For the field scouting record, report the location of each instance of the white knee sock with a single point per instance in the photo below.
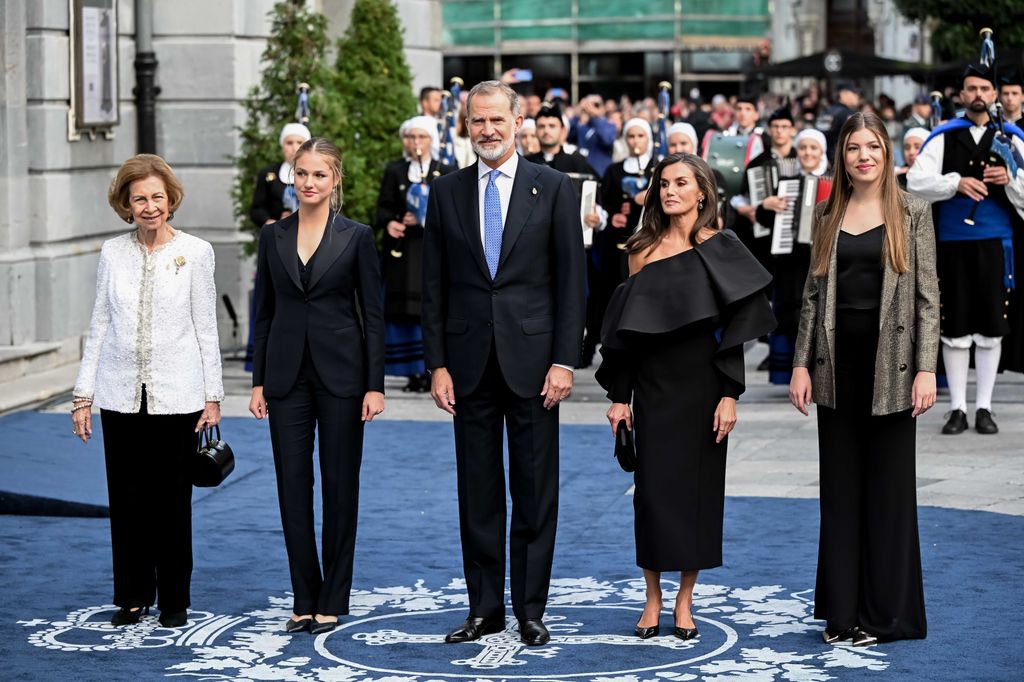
(958, 361)
(986, 366)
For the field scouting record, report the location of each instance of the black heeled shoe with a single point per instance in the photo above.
(832, 635)
(173, 620)
(319, 627)
(125, 616)
(300, 625)
(683, 633)
(861, 638)
(647, 633)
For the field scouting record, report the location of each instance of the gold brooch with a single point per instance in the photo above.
(271, 176)
(179, 263)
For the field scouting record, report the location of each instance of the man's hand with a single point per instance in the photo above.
(373, 404)
(396, 229)
(973, 188)
(557, 386)
(592, 220)
(442, 390)
(777, 204)
(619, 221)
(409, 219)
(749, 212)
(996, 175)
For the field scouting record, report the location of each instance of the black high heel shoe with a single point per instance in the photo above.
(319, 627)
(298, 625)
(832, 635)
(683, 633)
(173, 620)
(125, 616)
(647, 633)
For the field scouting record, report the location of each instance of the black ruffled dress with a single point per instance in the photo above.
(672, 342)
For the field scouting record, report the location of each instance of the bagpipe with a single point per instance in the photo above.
(289, 199)
(661, 123)
(447, 124)
(416, 197)
(1001, 150)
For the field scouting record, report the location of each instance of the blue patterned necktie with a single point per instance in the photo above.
(492, 223)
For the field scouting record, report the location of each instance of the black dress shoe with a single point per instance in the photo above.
(861, 638)
(832, 635)
(647, 633)
(319, 627)
(983, 422)
(475, 628)
(957, 423)
(126, 616)
(298, 625)
(173, 620)
(683, 633)
(533, 633)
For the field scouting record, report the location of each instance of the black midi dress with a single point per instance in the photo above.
(673, 342)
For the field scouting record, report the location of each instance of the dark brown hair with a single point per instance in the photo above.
(892, 197)
(140, 167)
(327, 149)
(656, 222)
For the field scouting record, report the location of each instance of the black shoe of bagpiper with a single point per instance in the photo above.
(957, 423)
(983, 422)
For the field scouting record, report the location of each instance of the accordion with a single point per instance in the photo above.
(794, 224)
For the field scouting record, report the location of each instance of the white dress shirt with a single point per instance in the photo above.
(504, 184)
(154, 323)
(926, 179)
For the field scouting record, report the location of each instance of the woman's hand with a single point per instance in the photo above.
(396, 230)
(257, 403)
(725, 418)
(800, 389)
(619, 221)
(81, 421)
(616, 413)
(409, 219)
(373, 404)
(923, 393)
(209, 417)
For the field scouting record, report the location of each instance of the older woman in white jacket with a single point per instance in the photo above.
(151, 363)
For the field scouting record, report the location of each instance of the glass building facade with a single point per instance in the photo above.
(608, 47)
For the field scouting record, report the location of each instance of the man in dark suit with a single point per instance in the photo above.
(503, 311)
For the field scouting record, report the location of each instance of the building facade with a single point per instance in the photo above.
(53, 208)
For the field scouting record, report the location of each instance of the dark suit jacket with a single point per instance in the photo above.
(340, 314)
(266, 196)
(534, 308)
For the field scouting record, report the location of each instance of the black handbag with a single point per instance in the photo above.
(214, 461)
(625, 451)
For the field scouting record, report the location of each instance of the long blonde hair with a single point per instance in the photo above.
(893, 200)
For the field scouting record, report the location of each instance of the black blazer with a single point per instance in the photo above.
(340, 315)
(533, 310)
(267, 196)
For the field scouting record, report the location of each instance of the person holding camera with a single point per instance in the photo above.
(593, 134)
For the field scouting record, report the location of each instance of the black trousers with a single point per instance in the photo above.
(309, 408)
(533, 485)
(869, 557)
(149, 486)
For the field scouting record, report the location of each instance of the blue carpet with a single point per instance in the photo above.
(754, 613)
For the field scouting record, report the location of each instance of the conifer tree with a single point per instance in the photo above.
(295, 52)
(376, 97)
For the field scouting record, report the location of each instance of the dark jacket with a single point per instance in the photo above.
(533, 311)
(339, 316)
(266, 196)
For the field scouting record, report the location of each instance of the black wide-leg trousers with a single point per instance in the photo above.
(533, 484)
(869, 557)
(149, 487)
(307, 409)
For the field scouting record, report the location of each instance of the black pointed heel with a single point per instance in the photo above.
(647, 633)
(683, 633)
(125, 616)
(299, 625)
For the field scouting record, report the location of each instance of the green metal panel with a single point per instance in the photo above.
(465, 11)
(537, 33)
(469, 36)
(625, 8)
(728, 7)
(663, 30)
(724, 28)
(529, 10)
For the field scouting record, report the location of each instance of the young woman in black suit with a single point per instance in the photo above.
(318, 366)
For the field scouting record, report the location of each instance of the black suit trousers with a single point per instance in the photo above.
(149, 486)
(308, 408)
(533, 484)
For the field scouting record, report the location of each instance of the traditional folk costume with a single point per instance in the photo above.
(274, 193)
(975, 249)
(405, 188)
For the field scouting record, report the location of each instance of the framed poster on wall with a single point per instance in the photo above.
(94, 87)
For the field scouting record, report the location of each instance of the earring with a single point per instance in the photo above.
(131, 219)
(700, 204)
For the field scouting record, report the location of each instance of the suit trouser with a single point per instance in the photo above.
(533, 485)
(294, 418)
(149, 485)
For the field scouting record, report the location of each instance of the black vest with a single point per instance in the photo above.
(961, 155)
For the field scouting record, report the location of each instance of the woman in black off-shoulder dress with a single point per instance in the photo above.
(672, 343)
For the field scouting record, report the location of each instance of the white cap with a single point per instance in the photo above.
(920, 133)
(294, 129)
(684, 128)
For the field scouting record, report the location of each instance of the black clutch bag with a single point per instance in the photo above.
(214, 461)
(625, 451)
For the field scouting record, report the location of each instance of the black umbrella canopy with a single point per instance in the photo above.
(842, 64)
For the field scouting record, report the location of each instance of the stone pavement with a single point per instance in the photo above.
(773, 451)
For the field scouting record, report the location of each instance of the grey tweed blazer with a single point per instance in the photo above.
(908, 340)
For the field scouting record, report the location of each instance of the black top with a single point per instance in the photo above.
(859, 269)
(306, 271)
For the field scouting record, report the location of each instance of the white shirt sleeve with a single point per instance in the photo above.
(925, 177)
(85, 385)
(204, 319)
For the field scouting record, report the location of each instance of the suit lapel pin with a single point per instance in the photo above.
(271, 176)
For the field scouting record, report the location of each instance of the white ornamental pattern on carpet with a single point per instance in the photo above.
(739, 631)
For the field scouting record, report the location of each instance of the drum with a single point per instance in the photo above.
(728, 155)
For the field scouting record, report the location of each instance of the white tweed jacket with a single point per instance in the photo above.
(154, 323)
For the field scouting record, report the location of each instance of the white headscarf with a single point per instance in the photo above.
(427, 124)
(286, 172)
(632, 164)
(685, 129)
(919, 133)
(816, 136)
